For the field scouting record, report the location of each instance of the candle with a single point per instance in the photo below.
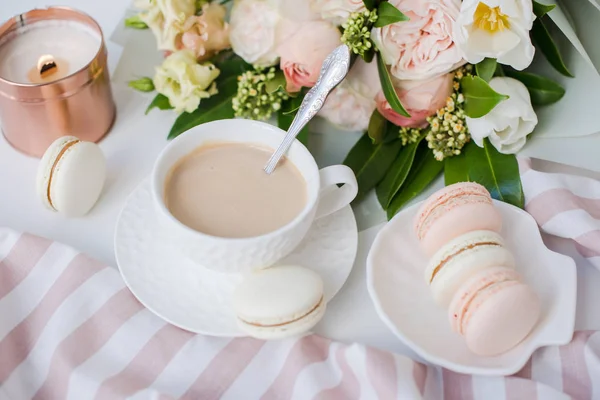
(62, 47)
(53, 79)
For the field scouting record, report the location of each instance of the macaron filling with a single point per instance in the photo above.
(478, 298)
(448, 258)
(448, 202)
(266, 325)
(62, 152)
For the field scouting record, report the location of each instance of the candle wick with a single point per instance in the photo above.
(46, 66)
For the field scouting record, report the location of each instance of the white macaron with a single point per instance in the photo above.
(461, 258)
(279, 302)
(71, 176)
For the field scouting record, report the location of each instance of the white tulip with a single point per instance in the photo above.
(509, 123)
(496, 29)
(166, 18)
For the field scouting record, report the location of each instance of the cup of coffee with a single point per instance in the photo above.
(224, 212)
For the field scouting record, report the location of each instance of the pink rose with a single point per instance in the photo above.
(303, 51)
(420, 98)
(350, 105)
(206, 34)
(424, 46)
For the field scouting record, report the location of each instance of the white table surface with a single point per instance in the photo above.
(134, 143)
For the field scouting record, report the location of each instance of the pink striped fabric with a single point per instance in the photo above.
(115, 349)
(565, 206)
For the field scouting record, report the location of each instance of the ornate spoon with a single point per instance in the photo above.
(334, 69)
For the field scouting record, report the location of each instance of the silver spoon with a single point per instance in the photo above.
(334, 70)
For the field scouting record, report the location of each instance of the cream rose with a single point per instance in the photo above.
(185, 82)
(337, 11)
(166, 19)
(350, 105)
(303, 52)
(296, 10)
(253, 31)
(423, 47)
(496, 29)
(208, 33)
(509, 123)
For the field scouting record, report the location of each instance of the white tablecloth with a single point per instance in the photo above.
(134, 143)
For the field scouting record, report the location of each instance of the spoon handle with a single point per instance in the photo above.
(334, 70)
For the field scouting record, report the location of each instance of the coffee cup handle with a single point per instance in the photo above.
(332, 198)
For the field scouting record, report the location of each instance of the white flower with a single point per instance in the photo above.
(337, 11)
(350, 105)
(509, 123)
(184, 81)
(166, 18)
(253, 31)
(496, 29)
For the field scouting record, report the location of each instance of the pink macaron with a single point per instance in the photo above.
(452, 211)
(494, 311)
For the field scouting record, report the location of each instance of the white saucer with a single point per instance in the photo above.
(402, 299)
(199, 299)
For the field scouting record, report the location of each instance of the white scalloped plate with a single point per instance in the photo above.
(402, 299)
(199, 299)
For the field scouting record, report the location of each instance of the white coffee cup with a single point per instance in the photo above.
(238, 255)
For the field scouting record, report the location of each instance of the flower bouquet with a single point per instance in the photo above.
(437, 86)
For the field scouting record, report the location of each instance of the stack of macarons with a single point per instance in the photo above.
(279, 302)
(471, 272)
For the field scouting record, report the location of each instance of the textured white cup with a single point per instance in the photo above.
(233, 255)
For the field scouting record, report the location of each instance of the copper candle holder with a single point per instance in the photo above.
(34, 114)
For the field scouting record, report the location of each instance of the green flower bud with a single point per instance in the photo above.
(357, 31)
(253, 97)
(135, 22)
(447, 137)
(144, 84)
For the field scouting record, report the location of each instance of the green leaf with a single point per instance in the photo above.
(216, 107)
(457, 168)
(370, 4)
(377, 127)
(371, 162)
(276, 83)
(135, 22)
(390, 185)
(388, 87)
(540, 9)
(486, 68)
(480, 98)
(499, 173)
(499, 70)
(542, 90)
(144, 84)
(231, 66)
(161, 102)
(388, 14)
(368, 55)
(544, 42)
(424, 170)
(286, 116)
